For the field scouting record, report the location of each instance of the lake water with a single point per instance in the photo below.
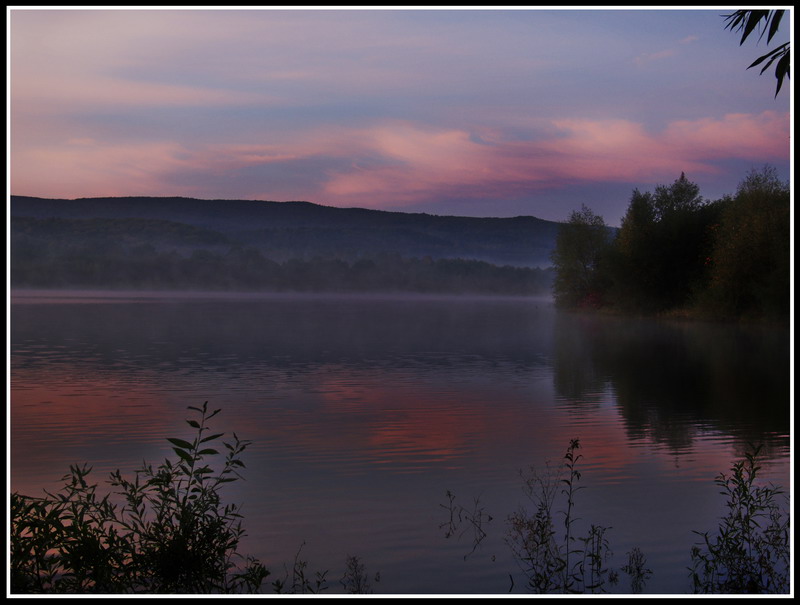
(365, 411)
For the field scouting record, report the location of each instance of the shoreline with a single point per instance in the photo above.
(57, 295)
(681, 315)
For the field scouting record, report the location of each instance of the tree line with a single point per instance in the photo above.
(104, 263)
(678, 253)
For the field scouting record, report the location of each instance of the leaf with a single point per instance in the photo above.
(776, 20)
(180, 443)
(752, 21)
(183, 454)
(211, 437)
(772, 55)
(193, 424)
(207, 452)
(781, 71)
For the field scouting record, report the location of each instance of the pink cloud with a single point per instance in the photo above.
(35, 95)
(734, 136)
(396, 163)
(419, 161)
(437, 163)
(85, 168)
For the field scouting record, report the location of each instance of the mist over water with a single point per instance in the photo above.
(365, 410)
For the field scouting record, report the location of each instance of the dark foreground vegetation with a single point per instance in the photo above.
(559, 553)
(167, 530)
(678, 253)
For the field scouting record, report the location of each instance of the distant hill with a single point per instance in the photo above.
(283, 230)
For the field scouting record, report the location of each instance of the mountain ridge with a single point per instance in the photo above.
(306, 229)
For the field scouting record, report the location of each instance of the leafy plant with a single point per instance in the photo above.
(747, 21)
(171, 533)
(568, 563)
(749, 552)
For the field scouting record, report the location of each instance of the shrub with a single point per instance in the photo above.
(554, 563)
(170, 534)
(750, 551)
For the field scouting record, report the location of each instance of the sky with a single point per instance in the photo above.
(469, 112)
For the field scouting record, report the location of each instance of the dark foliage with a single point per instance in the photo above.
(749, 552)
(749, 268)
(166, 530)
(581, 244)
(748, 21)
(553, 561)
(677, 252)
(659, 254)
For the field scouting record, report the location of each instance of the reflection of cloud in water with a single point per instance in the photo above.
(108, 422)
(400, 420)
(405, 424)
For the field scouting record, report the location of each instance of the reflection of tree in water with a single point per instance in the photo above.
(672, 380)
(577, 377)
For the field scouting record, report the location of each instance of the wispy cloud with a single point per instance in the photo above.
(397, 163)
(666, 53)
(434, 163)
(646, 58)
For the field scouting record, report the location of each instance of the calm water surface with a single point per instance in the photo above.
(364, 412)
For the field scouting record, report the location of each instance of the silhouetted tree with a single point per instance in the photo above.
(633, 267)
(750, 264)
(658, 258)
(676, 251)
(580, 245)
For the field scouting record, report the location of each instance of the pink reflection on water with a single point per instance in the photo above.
(371, 418)
(404, 423)
(104, 422)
